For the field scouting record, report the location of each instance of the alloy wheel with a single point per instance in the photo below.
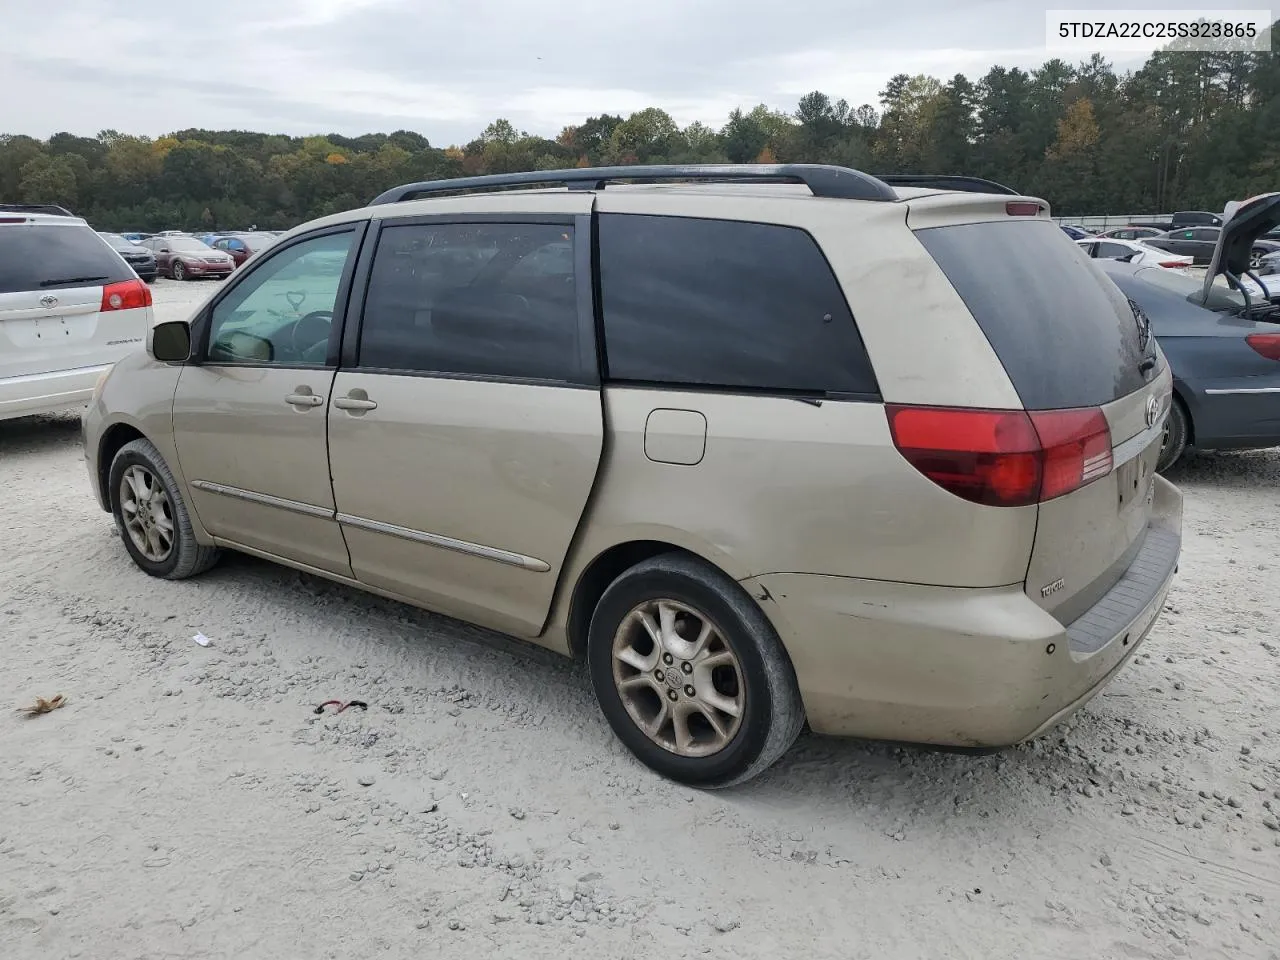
(147, 513)
(678, 678)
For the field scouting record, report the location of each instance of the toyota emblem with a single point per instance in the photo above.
(1153, 411)
(48, 300)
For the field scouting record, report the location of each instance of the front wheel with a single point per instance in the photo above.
(152, 517)
(691, 675)
(179, 270)
(1177, 434)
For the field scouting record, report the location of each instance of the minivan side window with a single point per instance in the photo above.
(723, 303)
(282, 312)
(474, 299)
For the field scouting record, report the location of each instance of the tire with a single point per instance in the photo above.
(757, 679)
(179, 270)
(166, 511)
(1255, 258)
(1177, 435)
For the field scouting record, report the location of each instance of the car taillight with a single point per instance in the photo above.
(1004, 458)
(1267, 344)
(1174, 263)
(1022, 208)
(125, 295)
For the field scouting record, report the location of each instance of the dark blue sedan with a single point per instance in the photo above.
(1224, 353)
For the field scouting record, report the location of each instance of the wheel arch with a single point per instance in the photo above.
(113, 438)
(1179, 397)
(603, 569)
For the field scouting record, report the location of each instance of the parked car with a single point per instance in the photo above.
(1195, 218)
(1223, 344)
(1076, 233)
(1131, 251)
(1130, 233)
(1268, 266)
(1200, 243)
(69, 308)
(142, 260)
(647, 429)
(1182, 220)
(241, 246)
(186, 258)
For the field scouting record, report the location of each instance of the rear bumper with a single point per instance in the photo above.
(1236, 413)
(955, 666)
(47, 392)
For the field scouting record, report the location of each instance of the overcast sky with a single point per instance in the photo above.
(446, 68)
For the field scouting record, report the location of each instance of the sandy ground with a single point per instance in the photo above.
(187, 801)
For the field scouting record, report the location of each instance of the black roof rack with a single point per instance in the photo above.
(966, 184)
(824, 180)
(36, 208)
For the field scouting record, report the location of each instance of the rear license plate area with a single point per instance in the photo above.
(1134, 483)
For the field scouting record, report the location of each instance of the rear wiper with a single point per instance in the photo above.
(54, 283)
(812, 401)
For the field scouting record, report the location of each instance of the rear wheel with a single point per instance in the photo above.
(179, 270)
(1177, 434)
(152, 517)
(690, 673)
(1255, 258)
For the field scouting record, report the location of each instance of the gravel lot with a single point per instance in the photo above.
(187, 801)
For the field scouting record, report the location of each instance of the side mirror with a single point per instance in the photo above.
(170, 342)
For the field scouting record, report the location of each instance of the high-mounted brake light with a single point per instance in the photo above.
(125, 295)
(1004, 458)
(1022, 208)
(1267, 344)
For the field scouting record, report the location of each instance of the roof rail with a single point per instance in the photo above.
(824, 180)
(966, 184)
(48, 208)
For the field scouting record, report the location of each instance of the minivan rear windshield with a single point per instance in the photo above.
(31, 256)
(1066, 335)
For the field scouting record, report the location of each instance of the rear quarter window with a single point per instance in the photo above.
(728, 304)
(1066, 335)
(37, 257)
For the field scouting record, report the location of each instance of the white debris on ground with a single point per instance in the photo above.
(188, 800)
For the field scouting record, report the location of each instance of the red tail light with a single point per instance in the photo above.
(1004, 458)
(125, 295)
(1022, 208)
(1267, 344)
(1174, 263)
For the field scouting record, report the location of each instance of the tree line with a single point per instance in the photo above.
(1185, 131)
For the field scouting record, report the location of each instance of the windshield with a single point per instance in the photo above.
(40, 256)
(1065, 335)
(188, 244)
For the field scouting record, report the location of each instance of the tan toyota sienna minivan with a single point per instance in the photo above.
(764, 444)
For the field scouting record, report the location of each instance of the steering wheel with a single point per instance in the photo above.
(318, 324)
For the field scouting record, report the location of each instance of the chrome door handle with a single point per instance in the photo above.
(303, 400)
(355, 403)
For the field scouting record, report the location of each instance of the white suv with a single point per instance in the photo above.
(70, 307)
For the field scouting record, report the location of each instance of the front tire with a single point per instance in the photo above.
(1177, 435)
(179, 270)
(691, 675)
(152, 517)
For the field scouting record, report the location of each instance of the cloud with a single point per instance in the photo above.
(446, 68)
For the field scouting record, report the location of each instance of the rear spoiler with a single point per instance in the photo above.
(931, 181)
(46, 208)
